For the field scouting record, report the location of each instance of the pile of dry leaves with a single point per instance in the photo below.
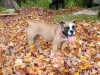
(18, 58)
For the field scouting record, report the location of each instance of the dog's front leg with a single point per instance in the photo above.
(55, 44)
(63, 45)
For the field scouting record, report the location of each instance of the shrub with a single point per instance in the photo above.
(71, 3)
(37, 3)
(45, 3)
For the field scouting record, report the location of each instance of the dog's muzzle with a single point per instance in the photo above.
(69, 34)
(72, 33)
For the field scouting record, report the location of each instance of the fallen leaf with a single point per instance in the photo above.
(98, 64)
(85, 66)
(77, 73)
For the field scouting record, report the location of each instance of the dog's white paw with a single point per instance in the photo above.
(54, 54)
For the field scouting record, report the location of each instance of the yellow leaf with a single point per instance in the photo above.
(19, 62)
(40, 72)
(1, 24)
(41, 57)
(14, 28)
(65, 70)
(93, 51)
(84, 58)
(75, 46)
(44, 47)
(30, 69)
(32, 48)
(52, 73)
(11, 43)
(60, 60)
(86, 24)
(77, 73)
(98, 64)
(41, 38)
(27, 58)
(9, 69)
(85, 66)
(2, 59)
(1, 71)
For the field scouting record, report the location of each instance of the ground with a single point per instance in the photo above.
(19, 58)
(85, 14)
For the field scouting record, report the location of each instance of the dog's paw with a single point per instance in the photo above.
(55, 54)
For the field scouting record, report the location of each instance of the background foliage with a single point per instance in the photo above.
(1, 7)
(71, 3)
(46, 3)
(37, 3)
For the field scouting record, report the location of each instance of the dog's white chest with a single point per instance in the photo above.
(64, 40)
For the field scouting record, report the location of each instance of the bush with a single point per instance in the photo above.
(37, 3)
(45, 3)
(71, 3)
(1, 7)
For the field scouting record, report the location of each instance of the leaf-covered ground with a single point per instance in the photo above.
(18, 58)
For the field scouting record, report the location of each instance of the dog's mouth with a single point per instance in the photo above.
(71, 38)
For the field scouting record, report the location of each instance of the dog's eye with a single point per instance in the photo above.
(73, 27)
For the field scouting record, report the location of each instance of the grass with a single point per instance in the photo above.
(36, 3)
(2, 9)
(78, 18)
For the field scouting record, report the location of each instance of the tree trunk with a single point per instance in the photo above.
(90, 4)
(10, 4)
(7, 4)
(99, 10)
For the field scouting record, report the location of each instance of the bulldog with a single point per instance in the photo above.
(56, 33)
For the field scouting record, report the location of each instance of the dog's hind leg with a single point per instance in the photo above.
(30, 37)
(36, 39)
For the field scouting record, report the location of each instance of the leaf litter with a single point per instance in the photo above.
(18, 58)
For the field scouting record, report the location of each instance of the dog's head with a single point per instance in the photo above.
(68, 29)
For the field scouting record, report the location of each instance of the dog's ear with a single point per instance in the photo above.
(62, 23)
(74, 21)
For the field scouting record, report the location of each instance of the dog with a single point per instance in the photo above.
(56, 33)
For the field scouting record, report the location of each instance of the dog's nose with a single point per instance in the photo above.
(72, 31)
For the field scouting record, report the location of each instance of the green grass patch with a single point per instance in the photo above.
(77, 18)
(72, 3)
(36, 3)
(2, 9)
(46, 3)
